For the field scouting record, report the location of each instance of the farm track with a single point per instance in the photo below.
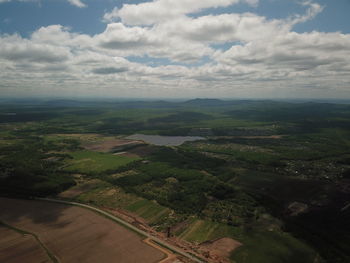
(169, 256)
(128, 226)
(19, 245)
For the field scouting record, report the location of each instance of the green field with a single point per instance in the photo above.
(200, 230)
(88, 162)
(240, 152)
(258, 246)
(149, 210)
(106, 195)
(273, 247)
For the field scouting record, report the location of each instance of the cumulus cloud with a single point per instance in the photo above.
(58, 35)
(163, 10)
(15, 48)
(118, 36)
(224, 28)
(175, 54)
(124, 40)
(111, 16)
(291, 52)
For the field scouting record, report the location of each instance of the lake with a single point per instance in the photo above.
(164, 140)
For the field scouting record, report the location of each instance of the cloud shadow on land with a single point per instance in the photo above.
(13, 211)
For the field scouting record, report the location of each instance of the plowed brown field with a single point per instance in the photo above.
(15, 247)
(74, 234)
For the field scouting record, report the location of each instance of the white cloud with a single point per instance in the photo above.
(110, 16)
(225, 54)
(163, 10)
(58, 35)
(313, 10)
(292, 53)
(122, 40)
(14, 48)
(117, 36)
(77, 3)
(224, 28)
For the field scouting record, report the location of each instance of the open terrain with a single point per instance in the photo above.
(74, 234)
(259, 182)
(17, 247)
(89, 162)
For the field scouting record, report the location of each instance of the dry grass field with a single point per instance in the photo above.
(80, 188)
(75, 234)
(109, 145)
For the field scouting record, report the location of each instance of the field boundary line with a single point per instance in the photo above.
(52, 256)
(168, 254)
(127, 225)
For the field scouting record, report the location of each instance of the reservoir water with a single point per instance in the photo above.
(164, 140)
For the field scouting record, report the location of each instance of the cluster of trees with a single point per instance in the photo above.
(182, 180)
(26, 170)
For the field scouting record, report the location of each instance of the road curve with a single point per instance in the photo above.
(128, 225)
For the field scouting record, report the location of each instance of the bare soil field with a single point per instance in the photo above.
(170, 257)
(143, 150)
(127, 154)
(109, 145)
(251, 137)
(79, 189)
(221, 247)
(74, 234)
(18, 248)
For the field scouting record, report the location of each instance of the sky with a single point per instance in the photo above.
(175, 48)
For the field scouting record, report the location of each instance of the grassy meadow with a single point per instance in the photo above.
(86, 162)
